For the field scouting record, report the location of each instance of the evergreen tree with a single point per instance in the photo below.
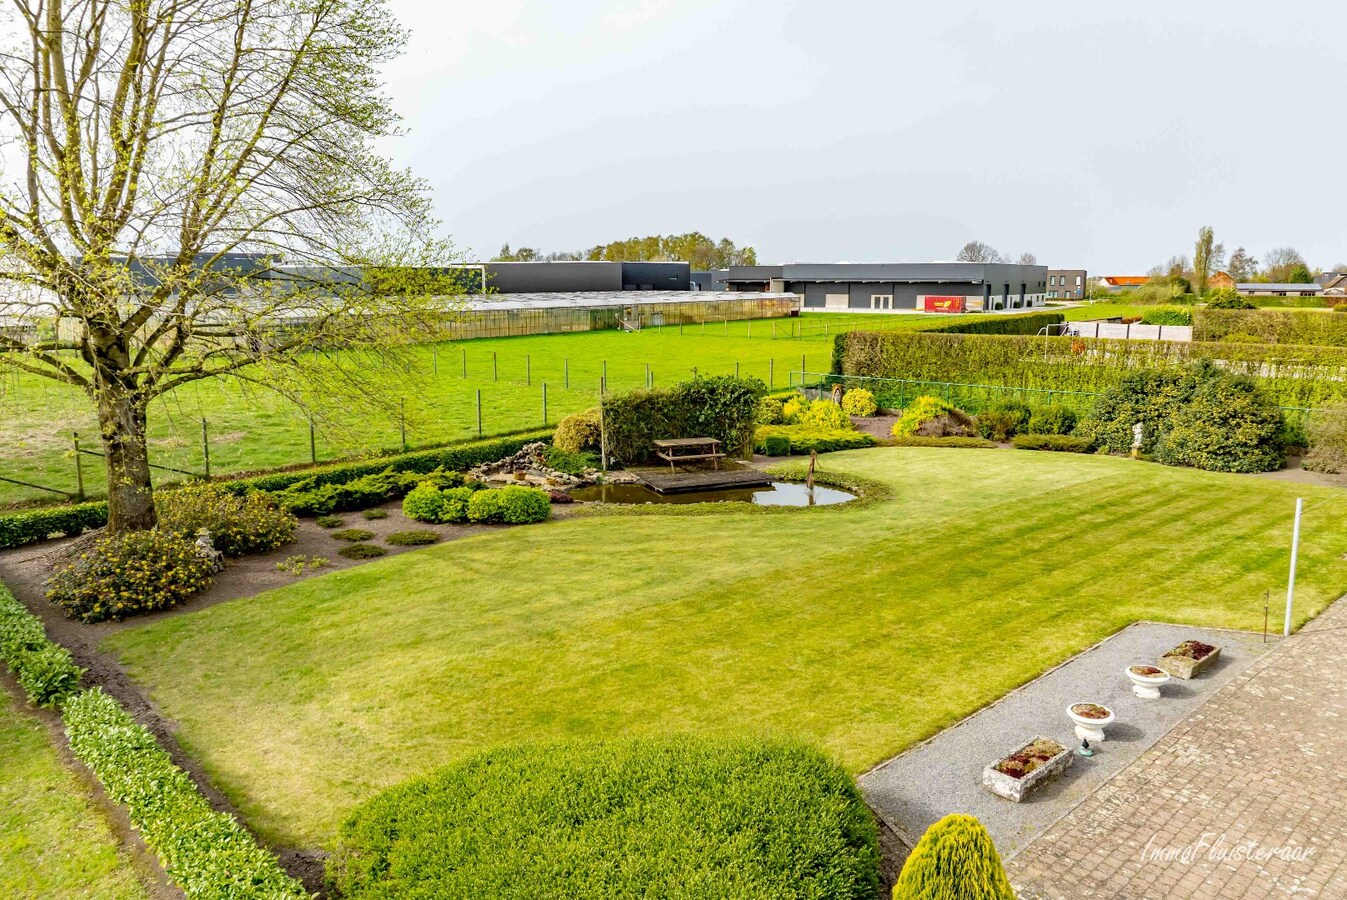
(954, 860)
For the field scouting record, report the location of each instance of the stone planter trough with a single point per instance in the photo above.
(1040, 759)
(1188, 659)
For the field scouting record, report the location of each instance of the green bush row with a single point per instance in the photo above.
(31, 526)
(1291, 375)
(1063, 443)
(1270, 326)
(45, 670)
(668, 817)
(721, 407)
(804, 438)
(1012, 323)
(206, 853)
(916, 440)
(510, 505)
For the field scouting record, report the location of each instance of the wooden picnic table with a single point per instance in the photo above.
(676, 450)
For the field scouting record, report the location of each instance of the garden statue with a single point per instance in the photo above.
(205, 548)
(1136, 440)
(838, 390)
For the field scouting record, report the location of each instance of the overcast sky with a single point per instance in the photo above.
(1092, 134)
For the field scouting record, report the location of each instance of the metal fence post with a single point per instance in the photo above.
(544, 402)
(465, 363)
(435, 360)
(205, 445)
(495, 372)
(605, 372)
(803, 368)
(402, 421)
(647, 374)
(79, 468)
(736, 370)
(771, 373)
(566, 372)
(313, 444)
(479, 412)
(528, 369)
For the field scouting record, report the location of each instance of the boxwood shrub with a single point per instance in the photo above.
(1063, 443)
(125, 574)
(513, 505)
(803, 439)
(916, 440)
(674, 817)
(30, 526)
(206, 853)
(45, 670)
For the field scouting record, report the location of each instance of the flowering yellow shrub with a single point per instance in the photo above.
(859, 402)
(126, 574)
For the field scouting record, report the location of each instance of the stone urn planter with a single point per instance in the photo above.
(1090, 720)
(1188, 659)
(1015, 775)
(1146, 681)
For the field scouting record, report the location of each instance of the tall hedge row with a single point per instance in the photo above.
(1271, 326)
(45, 670)
(31, 526)
(1291, 375)
(1013, 323)
(721, 407)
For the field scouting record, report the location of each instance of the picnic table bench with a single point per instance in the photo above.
(676, 450)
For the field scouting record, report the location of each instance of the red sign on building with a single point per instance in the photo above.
(945, 304)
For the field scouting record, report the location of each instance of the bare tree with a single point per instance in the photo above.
(166, 158)
(1027, 259)
(978, 252)
(1280, 263)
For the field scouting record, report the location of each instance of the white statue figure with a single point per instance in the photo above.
(1136, 439)
(205, 548)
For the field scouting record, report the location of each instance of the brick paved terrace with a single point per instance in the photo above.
(1247, 797)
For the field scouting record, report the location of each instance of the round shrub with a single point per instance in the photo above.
(933, 417)
(362, 551)
(329, 521)
(859, 402)
(1002, 421)
(238, 525)
(579, 433)
(776, 445)
(412, 538)
(1167, 315)
(125, 574)
(424, 503)
(1149, 397)
(375, 513)
(513, 505)
(1052, 419)
(1228, 426)
(792, 409)
(1228, 298)
(954, 858)
(681, 817)
(824, 414)
(771, 411)
(353, 535)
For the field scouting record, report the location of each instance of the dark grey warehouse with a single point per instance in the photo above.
(883, 287)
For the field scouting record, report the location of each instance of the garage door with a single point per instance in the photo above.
(836, 301)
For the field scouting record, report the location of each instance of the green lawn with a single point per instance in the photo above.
(862, 629)
(253, 428)
(53, 843)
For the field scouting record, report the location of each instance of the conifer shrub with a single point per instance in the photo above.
(1002, 421)
(932, 417)
(579, 433)
(1227, 426)
(824, 414)
(859, 402)
(513, 505)
(771, 411)
(668, 817)
(954, 860)
(1051, 419)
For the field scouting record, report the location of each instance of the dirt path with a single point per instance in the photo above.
(24, 570)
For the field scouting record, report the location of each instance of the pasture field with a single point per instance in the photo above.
(861, 629)
(53, 843)
(252, 427)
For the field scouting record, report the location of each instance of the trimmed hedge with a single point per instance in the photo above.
(18, 529)
(30, 526)
(804, 439)
(1291, 375)
(1013, 323)
(1271, 326)
(721, 407)
(1062, 443)
(46, 671)
(208, 854)
(916, 440)
(671, 817)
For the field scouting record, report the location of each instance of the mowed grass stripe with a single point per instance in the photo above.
(860, 629)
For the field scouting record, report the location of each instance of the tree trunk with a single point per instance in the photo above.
(130, 493)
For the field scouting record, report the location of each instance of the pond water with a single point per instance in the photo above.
(778, 493)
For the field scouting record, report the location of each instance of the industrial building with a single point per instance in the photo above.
(574, 276)
(1067, 284)
(884, 287)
